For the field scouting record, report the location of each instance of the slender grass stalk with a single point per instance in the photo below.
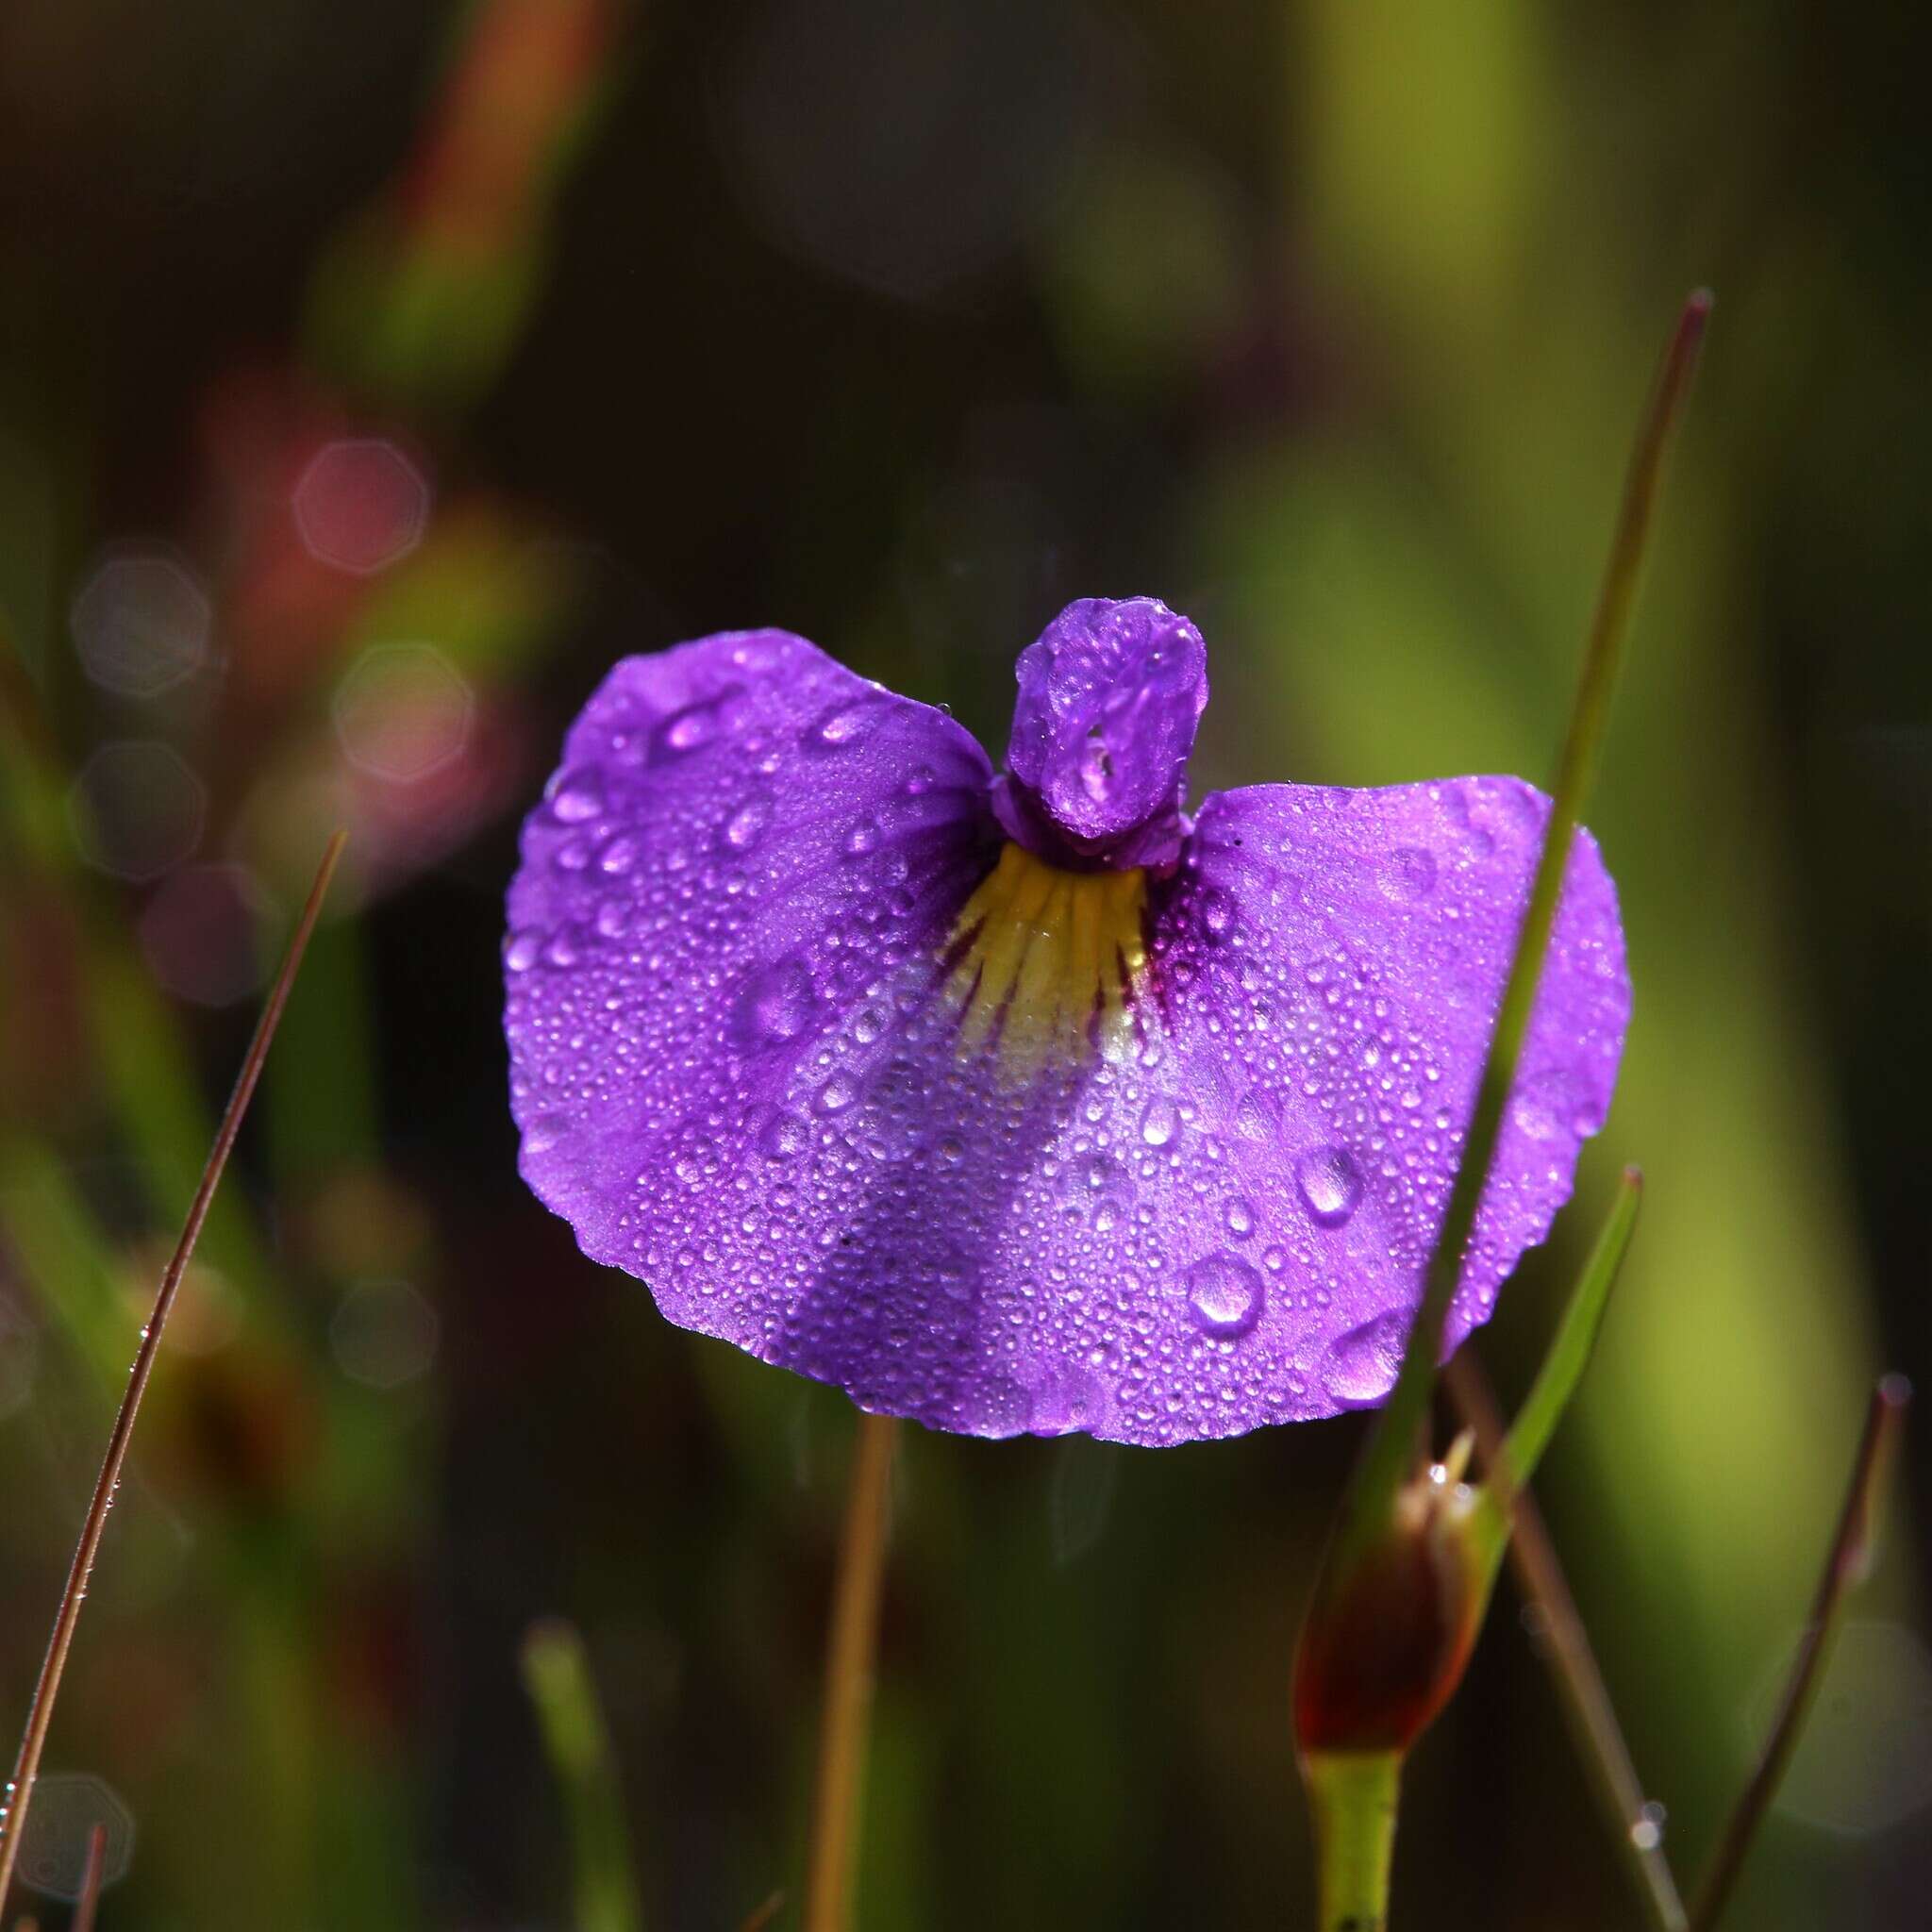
(20, 1788)
(1511, 1463)
(558, 1676)
(1390, 1449)
(763, 1914)
(1843, 1566)
(94, 1871)
(851, 1652)
(1390, 1459)
(1572, 1663)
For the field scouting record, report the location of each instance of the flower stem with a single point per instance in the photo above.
(1390, 1449)
(39, 1717)
(1843, 1566)
(1572, 1663)
(1352, 1799)
(850, 1654)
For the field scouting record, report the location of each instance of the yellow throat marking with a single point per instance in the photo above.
(1046, 955)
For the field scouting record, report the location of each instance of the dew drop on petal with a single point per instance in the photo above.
(775, 1003)
(1224, 1294)
(844, 726)
(1363, 1363)
(838, 1093)
(1409, 874)
(784, 1137)
(1330, 1185)
(1552, 1105)
(580, 795)
(742, 829)
(685, 732)
(1160, 1123)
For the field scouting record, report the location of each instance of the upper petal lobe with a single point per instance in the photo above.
(742, 839)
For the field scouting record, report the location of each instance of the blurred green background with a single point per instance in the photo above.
(372, 374)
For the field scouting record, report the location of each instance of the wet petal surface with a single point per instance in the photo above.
(743, 841)
(774, 1051)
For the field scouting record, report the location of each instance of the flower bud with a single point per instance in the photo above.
(1391, 1629)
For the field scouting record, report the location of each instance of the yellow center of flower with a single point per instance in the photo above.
(1047, 960)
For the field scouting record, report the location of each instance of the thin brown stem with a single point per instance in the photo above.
(1572, 1663)
(39, 1715)
(763, 1914)
(90, 1878)
(851, 1651)
(1843, 1566)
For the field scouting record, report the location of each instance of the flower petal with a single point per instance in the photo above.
(1330, 963)
(744, 839)
(751, 1064)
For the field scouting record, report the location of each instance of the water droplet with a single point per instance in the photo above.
(847, 724)
(579, 795)
(1160, 1123)
(864, 836)
(685, 731)
(523, 950)
(619, 856)
(1224, 1294)
(544, 1132)
(1330, 1185)
(1240, 1216)
(1067, 1398)
(1409, 874)
(784, 1137)
(760, 654)
(777, 1002)
(1363, 1364)
(1552, 1105)
(742, 829)
(838, 1093)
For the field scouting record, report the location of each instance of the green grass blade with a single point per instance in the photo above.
(1392, 1447)
(558, 1676)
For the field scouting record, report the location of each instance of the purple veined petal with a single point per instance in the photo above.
(1219, 1217)
(790, 1046)
(743, 843)
(1328, 964)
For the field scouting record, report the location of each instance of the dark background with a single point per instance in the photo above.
(371, 376)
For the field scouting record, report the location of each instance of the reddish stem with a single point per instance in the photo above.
(39, 1715)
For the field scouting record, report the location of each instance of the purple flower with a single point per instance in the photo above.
(1029, 1103)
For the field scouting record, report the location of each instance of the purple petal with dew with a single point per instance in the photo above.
(741, 1073)
(1328, 966)
(745, 842)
